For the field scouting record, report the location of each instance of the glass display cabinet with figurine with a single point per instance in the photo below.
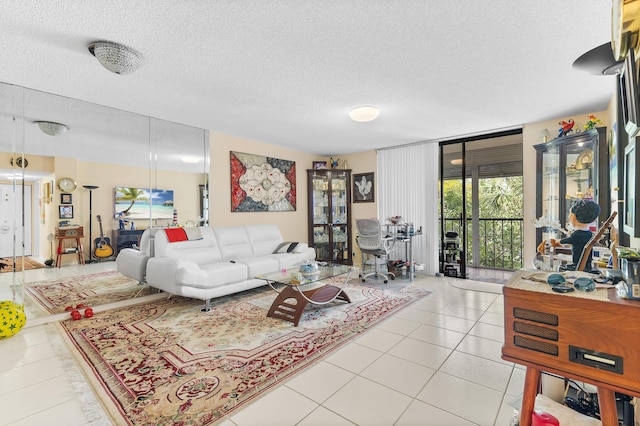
(330, 214)
(567, 168)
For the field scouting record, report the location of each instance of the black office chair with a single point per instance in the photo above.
(372, 243)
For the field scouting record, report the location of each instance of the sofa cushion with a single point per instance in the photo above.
(212, 275)
(286, 260)
(200, 251)
(263, 238)
(233, 242)
(259, 265)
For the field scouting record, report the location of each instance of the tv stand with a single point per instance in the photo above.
(125, 238)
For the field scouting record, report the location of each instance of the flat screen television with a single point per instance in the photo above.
(629, 95)
(142, 203)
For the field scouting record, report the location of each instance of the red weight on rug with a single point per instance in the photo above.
(53, 296)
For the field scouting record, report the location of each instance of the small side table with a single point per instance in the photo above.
(62, 234)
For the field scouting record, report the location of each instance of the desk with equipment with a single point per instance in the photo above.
(592, 337)
(405, 233)
(69, 233)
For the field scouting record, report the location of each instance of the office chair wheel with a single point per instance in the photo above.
(385, 281)
(393, 277)
(363, 280)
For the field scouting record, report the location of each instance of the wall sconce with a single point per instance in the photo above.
(544, 134)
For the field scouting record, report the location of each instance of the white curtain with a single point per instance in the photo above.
(408, 187)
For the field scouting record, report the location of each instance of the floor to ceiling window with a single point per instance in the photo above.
(480, 191)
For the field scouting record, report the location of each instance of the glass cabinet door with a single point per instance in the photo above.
(568, 169)
(329, 214)
(581, 176)
(338, 198)
(551, 184)
(339, 204)
(320, 184)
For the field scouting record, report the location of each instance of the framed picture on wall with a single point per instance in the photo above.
(363, 188)
(65, 199)
(66, 212)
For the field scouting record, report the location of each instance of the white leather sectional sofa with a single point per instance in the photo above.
(211, 261)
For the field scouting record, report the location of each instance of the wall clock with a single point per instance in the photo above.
(67, 184)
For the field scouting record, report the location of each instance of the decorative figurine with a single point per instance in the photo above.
(581, 214)
(333, 163)
(566, 127)
(592, 123)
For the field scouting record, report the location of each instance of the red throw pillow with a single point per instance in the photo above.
(176, 234)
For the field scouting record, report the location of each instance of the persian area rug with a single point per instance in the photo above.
(19, 265)
(102, 288)
(166, 362)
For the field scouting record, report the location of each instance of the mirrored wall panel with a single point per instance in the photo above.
(71, 164)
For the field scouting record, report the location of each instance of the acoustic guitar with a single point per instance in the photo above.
(103, 244)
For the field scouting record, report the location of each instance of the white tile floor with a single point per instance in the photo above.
(437, 362)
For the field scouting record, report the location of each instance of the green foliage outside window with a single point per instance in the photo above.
(499, 198)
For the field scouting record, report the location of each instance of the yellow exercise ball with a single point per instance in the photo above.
(12, 318)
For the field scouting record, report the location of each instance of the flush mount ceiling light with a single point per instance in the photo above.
(363, 114)
(456, 162)
(51, 128)
(116, 57)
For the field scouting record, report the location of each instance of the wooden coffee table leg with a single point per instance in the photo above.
(283, 309)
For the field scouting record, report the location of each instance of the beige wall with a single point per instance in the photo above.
(293, 225)
(106, 177)
(531, 137)
(362, 162)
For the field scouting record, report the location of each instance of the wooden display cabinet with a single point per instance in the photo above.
(330, 214)
(567, 168)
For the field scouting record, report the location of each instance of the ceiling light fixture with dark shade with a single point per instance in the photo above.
(116, 57)
(52, 128)
(599, 61)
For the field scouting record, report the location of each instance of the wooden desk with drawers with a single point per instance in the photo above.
(591, 337)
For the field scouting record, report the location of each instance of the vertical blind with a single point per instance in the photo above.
(408, 187)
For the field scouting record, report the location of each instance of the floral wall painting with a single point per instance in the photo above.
(262, 184)
(363, 188)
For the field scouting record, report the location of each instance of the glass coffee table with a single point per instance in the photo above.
(299, 290)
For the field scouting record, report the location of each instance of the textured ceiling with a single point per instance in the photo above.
(286, 72)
